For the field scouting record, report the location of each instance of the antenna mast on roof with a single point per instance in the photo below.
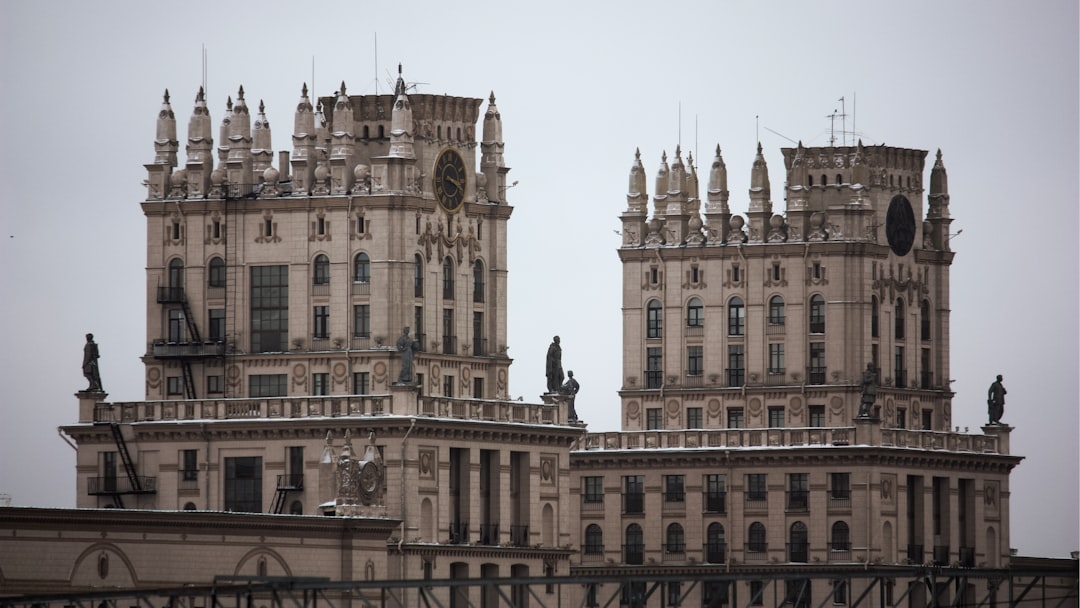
(376, 63)
(204, 68)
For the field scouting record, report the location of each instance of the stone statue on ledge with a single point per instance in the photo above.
(995, 401)
(407, 347)
(570, 388)
(90, 365)
(554, 366)
(869, 391)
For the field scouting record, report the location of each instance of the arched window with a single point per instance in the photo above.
(899, 318)
(216, 274)
(654, 319)
(448, 278)
(840, 540)
(296, 508)
(634, 548)
(418, 277)
(478, 281)
(594, 540)
(798, 545)
(809, 180)
(817, 314)
(715, 547)
(755, 540)
(362, 268)
(695, 313)
(924, 320)
(839, 179)
(736, 317)
(676, 539)
(321, 274)
(776, 310)
(189, 506)
(824, 180)
(875, 315)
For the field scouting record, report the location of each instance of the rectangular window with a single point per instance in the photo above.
(594, 489)
(736, 274)
(269, 309)
(267, 385)
(448, 386)
(798, 492)
(674, 488)
(694, 361)
(815, 374)
(448, 336)
(898, 367)
(901, 418)
(361, 383)
(927, 419)
(674, 594)
(817, 270)
(243, 484)
(817, 415)
(776, 271)
(735, 418)
(776, 359)
(217, 324)
(756, 488)
(479, 343)
(654, 326)
(321, 329)
(736, 318)
(320, 384)
(176, 325)
(694, 418)
(736, 365)
(715, 493)
(361, 320)
(927, 379)
(840, 486)
(654, 370)
(189, 465)
(654, 418)
(654, 275)
(839, 592)
(634, 494)
(757, 593)
(217, 235)
(295, 463)
(418, 327)
(215, 385)
(776, 417)
(174, 385)
(478, 388)
(268, 228)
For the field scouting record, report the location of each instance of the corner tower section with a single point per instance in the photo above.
(770, 320)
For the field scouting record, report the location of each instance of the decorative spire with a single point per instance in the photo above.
(662, 176)
(262, 149)
(637, 176)
(939, 180)
(759, 174)
(401, 122)
(165, 144)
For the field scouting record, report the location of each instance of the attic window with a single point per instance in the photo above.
(736, 275)
(654, 275)
(268, 227)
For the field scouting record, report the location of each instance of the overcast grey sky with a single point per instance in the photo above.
(993, 84)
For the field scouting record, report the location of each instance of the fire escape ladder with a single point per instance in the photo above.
(125, 457)
(279, 501)
(189, 379)
(193, 329)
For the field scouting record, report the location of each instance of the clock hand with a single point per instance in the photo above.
(456, 182)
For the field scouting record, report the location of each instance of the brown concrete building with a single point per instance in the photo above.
(292, 428)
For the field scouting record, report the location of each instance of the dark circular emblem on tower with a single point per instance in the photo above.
(900, 225)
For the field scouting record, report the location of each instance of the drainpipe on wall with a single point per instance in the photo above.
(401, 537)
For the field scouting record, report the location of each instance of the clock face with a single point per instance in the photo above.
(449, 180)
(900, 225)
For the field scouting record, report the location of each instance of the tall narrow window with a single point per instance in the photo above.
(449, 337)
(320, 384)
(448, 279)
(924, 320)
(176, 325)
(217, 324)
(479, 342)
(676, 539)
(634, 549)
(269, 308)
(176, 279)
(216, 274)
(815, 373)
(321, 329)
(776, 310)
(756, 539)
(776, 360)
(478, 281)
(695, 313)
(362, 268)
(900, 318)
(694, 361)
(799, 543)
(736, 370)
(418, 276)
(898, 367)
(418, 327)
(817, 314)
(715, 547)
(654, 319)
(654, 367)
(321, 267)
(926, 381)
(634, 494)
(875, 315)
(243, 484)
(361, 383)
(736, 317)
(362, 320)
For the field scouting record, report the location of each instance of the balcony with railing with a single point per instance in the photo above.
(187, 479)
(776, 377)
(449, 345)
(361, 288)
(592, 553)
(654, 378)
(798, 552)
(715, 502)
(109, 485)
(900, 378)
(756, 501)
(459, 533)
(292, 481)
(775, 327)
(592, 504)
(489, 534)
(715, 552)
(519, 535)
(736, 376)
(785, 437)
(161, 349)
(815, 375)
(798, 501)
(480, 347)
(756, 552)
(840, 551)
(170, 295)
(839, 502)
(674, 552)
(634, 554)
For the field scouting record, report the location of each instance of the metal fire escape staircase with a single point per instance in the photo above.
(129, 466)
(185, 352)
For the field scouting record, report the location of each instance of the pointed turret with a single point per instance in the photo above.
(401, 122)
(165, 144)
(717, 213)
(937, 213)
(342, 156)
(760, 206)
(637, 196)
(303, 157)
(262, 150)
(693, 194)
(675, 216)
(238, 167)
(200, 146)
(223, 132)
(660, 200)
(491, 153)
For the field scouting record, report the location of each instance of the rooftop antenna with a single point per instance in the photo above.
(781, 135)
(696, 137)
(314, 91)
(376, 63)
(843, 122)
(680, 123)
(757, 127)
(204, 68)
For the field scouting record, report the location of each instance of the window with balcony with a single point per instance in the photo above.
(189, 469)
(799, 545)
(634, 545)
(176, 278)
(633, 494)
(695, 363)
(695, 313)
(798, 499)
(594, 540)
(715, 546)
(176, 326)
(321, 270)
(776, 359)
(321, 328)
(715, 493)
(926, 380)
(654, 322)
(593, 492)
(361, 320)
(756, 488)
(362, 268)
(449, 337)
(776, 311)
(217, 324)
(654, 367)
(216, 273)
(479, 345)
(675, 539)
(736, 317)
(840, 486)
(756, 538)
(899, 377)
(815, 373)
(674, 488)
(817, 314)
(924, 320)
(840, 538)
